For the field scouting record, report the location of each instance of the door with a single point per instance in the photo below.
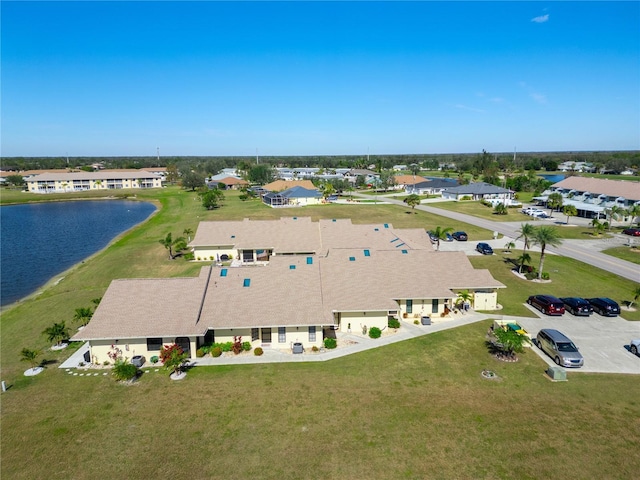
(266, 335)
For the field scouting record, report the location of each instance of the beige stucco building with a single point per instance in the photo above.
(309, 277)
(101, 180)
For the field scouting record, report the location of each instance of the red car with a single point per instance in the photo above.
(634, 232)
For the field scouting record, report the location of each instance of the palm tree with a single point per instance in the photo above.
(544, 236)
(598, 227)
(636, 295)
(463, 297)
(633, 211)
(500, 209)
(188, 232)
(522, 260)
(509, 245)
(569, 211)
(57, 333)
(441, 234)
(554, 201)
(83, 315)
(30, 356)
(614, 212)
(526, 232)
(169, 243)
(412, 200)
(328, 190)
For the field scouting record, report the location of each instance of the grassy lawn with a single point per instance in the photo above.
(416, 409)
(630, 254)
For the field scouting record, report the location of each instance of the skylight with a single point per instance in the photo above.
(223, 272)
(246, 282)
(292, 267)
(309, 260)
(352, 259)
(367, 253)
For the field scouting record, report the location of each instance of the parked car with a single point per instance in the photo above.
(634, 232)
(448, 237)
(534, 212)
(577, 306)
(547, 304)
(605, 306)
(432, 236)
(634, 346)
(559, 347)
(484, 248)
(460, 236)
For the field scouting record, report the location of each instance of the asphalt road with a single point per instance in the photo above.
(587, 251)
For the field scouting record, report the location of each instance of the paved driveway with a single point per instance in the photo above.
(603, 341)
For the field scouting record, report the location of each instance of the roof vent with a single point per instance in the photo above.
(386, 225)
(352, 259)
(309, 260)
(367, 253)
(400, 244)
(292, 267)
(405, 252)
(246, 282)
(376, 229)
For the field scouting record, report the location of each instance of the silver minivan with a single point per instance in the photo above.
(559, 347)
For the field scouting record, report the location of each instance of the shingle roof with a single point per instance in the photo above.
(138, 308)
(477, 188)
(614, 188)
(408, 179)
(280, 185)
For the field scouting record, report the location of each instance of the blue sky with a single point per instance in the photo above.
(318, 78)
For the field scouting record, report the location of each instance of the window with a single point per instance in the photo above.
(434, 305)
(154, 344)
(409, 306)
(312, 334)
(282, 335)
(255, 334)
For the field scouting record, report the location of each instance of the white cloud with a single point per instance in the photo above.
(470, 109)
(538, 97)
(541, 19)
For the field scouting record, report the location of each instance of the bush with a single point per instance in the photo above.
(123, 370)
(330, 343)
(246, 346)
(188, 256)
(314, 349)
(216, 352)
(375, 332)
(227, 346)
(237, 345)
(416, 322)
(258, 351)
(106, 363)
(394, 322)
(200, 353)
(545, 275)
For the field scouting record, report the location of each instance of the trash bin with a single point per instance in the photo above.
(426, 320)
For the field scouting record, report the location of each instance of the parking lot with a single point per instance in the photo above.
(603, 341)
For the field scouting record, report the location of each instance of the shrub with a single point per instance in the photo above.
(375, 332)
(258, 351)
(216, 352)
(246, 346)
(545, 276)
(227, 346)
(314, 349)
(106, 363)
(394, 322)
(330, 343)
(416, 322)
(173, 358)
(200, 353)
(123, 370)
(188, 256)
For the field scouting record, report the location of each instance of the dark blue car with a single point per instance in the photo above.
(484, 248)
(577, 306)
(605, 306)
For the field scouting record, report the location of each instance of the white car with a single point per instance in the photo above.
(532, 211)
(634, 346)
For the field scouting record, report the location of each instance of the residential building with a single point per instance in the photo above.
(477, 191)
(100, 180)
(312, 276)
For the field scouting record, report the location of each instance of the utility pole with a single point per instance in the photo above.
(158, 150)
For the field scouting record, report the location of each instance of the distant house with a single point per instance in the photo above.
(477, 191)
(293, 197)
(314, 276)
(225, 182)
(431, 187)
(404, 181)
(280, 185)
(368, 175)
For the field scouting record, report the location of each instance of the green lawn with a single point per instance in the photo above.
(630, 254)
(416, 409)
